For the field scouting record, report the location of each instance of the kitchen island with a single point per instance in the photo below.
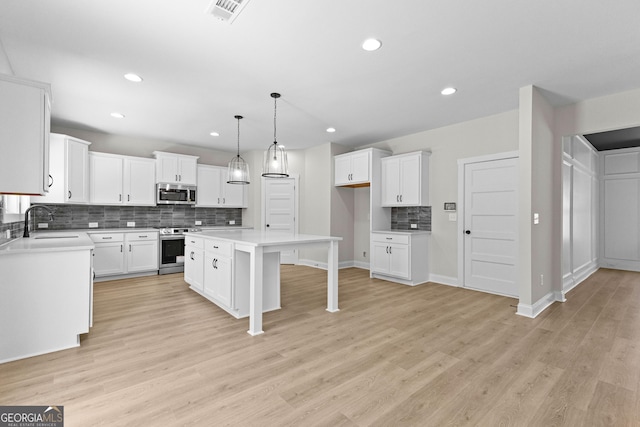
(229, 247)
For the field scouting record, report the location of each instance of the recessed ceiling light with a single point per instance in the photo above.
(449, 91)
(371, 44)
(331, 130)
(117, 115)
(214, 134)
(133, 77)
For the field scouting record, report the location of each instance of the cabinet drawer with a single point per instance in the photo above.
(106, 237)
(402, 239)
(218, 247)
(149, 235)
(194, 242)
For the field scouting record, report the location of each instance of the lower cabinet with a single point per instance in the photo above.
(216, 271)
(125, 252)
(400, 257)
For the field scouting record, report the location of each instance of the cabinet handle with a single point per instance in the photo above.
(141, 237)
(401, 198)
(224, 201)
(51, 179)
(386, 249)
(180, 178)
(389, 249)
(389, 238)
(69, 194)
(129, 248)
(107, 238)
(119, 197)
(191, 256)
(176, 177)
(128, 197)
(397, 198)
(120, 248)
(218, 200)
(215, 247)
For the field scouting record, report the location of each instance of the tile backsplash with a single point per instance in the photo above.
(79, 217)
(403, 217)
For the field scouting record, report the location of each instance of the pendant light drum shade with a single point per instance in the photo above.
(238, 172)
(275, 158)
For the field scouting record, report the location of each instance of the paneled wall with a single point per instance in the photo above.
(620, 210)
(580, 211)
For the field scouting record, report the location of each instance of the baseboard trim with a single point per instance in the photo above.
(532, 311)
(444, 280)
(575, 279)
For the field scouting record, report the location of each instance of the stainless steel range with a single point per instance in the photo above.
(171, 249)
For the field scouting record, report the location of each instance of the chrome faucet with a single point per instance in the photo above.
(26, 217)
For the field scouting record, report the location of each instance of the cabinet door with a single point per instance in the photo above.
(105, 179)
(342, 170)
(77, 170)
(390, 182)
(139, 182)
(142, 255)
(410, 180)
(399, 261)
(194, 268)
(187, 170)
(167, 169)
(233, 194)
(380, 258)
(217, 278)
(24, 138)
(108, 258)
(360, 167)
(209, 185)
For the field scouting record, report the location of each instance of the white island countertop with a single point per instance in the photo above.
(48, 242)
(262, 238)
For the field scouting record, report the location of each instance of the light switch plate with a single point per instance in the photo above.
(414, 226)
(232, 222)
(93, 225)
(131, 223)
(536, 218)
(198, 222)
(453, 217)
(43, 225)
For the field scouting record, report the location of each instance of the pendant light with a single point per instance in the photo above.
(238, 167)
(275, 158)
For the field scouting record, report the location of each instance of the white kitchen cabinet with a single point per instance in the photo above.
(24, 136)
(213, 190)
(131, 252)
(400, 257)
(142, 251)
(194, 263)
(218, 272)
(174, 168)
(405, 180)
(68, 170)
(121, 180)
(352, 169)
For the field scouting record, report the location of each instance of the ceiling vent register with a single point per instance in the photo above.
(226, 10)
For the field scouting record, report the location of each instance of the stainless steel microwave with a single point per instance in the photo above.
(175, 194)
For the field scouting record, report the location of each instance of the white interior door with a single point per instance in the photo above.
(280, 211)
(491, 226)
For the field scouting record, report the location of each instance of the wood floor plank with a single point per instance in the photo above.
(160, 354)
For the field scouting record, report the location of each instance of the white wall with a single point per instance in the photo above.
(489, 135)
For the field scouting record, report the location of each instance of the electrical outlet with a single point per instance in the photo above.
(542, 280)
(43, 225)
(232, 222)
(93, 225)
(131, 223)
(453, 216)
(198, 222)
(364, 254)
(414, 226)
(7, 234)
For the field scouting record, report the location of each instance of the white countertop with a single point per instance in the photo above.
(261, 238)
(48, 242)
(402, 231)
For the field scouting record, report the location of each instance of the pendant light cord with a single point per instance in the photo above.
(238, 117)
(275, 106)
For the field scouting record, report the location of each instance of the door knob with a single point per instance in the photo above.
(467, 232)
(267, 225)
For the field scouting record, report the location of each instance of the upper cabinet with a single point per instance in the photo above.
(213, 190)
(24, 136)
(68, 170)
(122, 180)
(405, 179)
(175, 168)
(352, 169)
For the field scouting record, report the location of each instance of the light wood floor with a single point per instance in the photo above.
(160, 355)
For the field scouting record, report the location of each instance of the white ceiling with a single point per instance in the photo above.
(199, 72)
